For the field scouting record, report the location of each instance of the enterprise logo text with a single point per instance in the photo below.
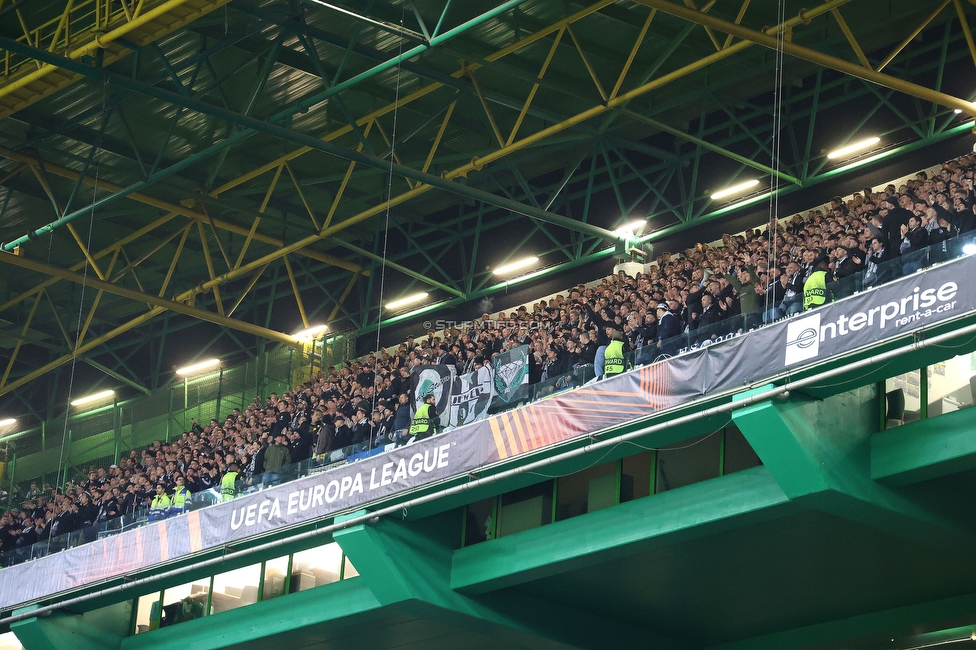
(804, 335)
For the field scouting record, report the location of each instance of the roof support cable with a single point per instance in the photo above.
(386, 216)
(775, 163)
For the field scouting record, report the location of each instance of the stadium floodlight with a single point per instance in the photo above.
(516, 266)
(310, 333)
(197, 368)
(94, 397)
(9, 422)
(738, 188)
(407, 300)
(630, 227)
(854, 147)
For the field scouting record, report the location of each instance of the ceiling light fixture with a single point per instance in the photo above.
(738, 188)
(310, 333)
(197, 367)
(853, 147)
(630, 227)
(407, 300)
(95, 397)
(516, 266)
(9, 422)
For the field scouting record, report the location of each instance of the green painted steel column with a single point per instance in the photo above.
(13, 474)
(117, 426)
(220, 385)
(100, 629)
(819, 452)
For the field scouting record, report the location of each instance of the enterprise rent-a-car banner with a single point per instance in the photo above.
(894, 309)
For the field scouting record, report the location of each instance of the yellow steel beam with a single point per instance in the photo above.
(708, 30)
(439, 136)
(908, 39)
(301, 195)
(485, 108)
(295, 291)
(247, 289)
(210, 267)
(586, 63)
(84, 249)
(964, 22)
(738, 20)
(97, 42)
(173, 305)
(858, 52)
(98, 299)
(345, 294)
(813, 56)
(173, 208)
(20, 341)
(176, 257)
(345, 179)
(57, 317)
(633, 53)
(542, 74)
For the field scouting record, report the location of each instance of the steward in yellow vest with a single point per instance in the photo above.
(228, 484)
(181, 497)
(423, 425)
(614, 362)
(815, 291)
(160, 505)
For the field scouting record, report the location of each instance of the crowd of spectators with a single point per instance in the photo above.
(743, 280)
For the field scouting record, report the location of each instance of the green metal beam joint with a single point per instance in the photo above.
(399, 267)
(708, 145)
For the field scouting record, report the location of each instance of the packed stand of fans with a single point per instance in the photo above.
(741, 282)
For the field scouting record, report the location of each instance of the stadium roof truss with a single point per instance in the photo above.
(250, 168)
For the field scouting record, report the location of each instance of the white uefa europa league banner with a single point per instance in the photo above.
(895, 309)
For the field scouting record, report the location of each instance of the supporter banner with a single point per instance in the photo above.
(511, 383)
(876, 315)
(471, 397)
(437, 379)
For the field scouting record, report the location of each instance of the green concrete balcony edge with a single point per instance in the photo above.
(693, 511)
(925, 449)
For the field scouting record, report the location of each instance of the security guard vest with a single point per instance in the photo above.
(160, 503)
(613, 359)
(421, 420)
(228, 486)
(815, 290)
(180, 496)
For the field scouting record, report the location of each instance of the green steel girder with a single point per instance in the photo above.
(924, 450)
(95, 630)
(819, 453)
(741, 499)
(410, 565)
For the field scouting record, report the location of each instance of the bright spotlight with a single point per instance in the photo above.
(407, 300)
(853, 147)
(738, 188)
(198, 367)
(9, 422)
(516, 266)
(969, 249)
(310, 333)
(95, 397)
(630, 227)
